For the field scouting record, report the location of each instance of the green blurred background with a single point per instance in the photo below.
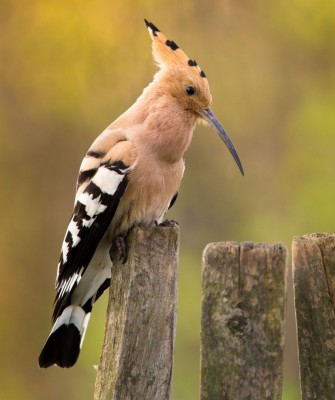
(69, 68)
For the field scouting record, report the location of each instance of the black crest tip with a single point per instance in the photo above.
(151, 26)
(172, 44)
(192, 63)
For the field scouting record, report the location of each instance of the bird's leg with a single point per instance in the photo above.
(169, 223)
(121, 246)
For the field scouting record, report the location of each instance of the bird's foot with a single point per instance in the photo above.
(170, 223)
(121, 246)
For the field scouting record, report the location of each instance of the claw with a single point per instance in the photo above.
(171, 223)
(121, 246)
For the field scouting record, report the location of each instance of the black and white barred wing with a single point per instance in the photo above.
(99, 193)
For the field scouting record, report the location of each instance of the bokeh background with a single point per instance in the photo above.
(69, 68)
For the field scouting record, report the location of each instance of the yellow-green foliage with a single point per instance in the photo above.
(68, 68)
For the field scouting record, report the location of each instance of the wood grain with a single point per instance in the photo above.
(137, 355)
(314, 285)
(243, 314)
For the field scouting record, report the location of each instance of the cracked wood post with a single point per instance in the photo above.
(243, 320)
(137, 354)
(314, 287)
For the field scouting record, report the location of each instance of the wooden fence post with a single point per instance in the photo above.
(243, 313)
(137, 355)
(314, 285)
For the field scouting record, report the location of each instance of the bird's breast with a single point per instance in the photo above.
(152, 185)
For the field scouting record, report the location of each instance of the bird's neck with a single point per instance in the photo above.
(156, 122)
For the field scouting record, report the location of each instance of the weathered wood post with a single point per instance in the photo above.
(314, 286)
(137, 355)
(243, 315)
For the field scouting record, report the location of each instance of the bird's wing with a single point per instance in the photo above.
(102, 181)
(173, 200)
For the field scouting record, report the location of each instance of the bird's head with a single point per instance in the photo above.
(186, 82)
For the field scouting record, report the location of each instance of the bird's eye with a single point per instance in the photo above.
(190, 90)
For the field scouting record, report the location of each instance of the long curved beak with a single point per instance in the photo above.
(209, 116)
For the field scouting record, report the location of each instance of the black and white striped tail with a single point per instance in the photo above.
(66, 337)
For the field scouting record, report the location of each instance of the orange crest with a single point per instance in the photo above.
(166, 52)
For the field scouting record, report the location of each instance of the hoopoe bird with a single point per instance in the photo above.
(130, 176)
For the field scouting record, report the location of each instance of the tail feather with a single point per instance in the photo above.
(65, 340)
